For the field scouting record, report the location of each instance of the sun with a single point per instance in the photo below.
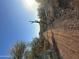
(30, 4)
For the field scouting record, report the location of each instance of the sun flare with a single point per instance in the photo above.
(30, 4)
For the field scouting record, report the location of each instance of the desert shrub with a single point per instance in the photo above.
(64, 3)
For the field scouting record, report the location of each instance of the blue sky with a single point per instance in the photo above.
(14, 24)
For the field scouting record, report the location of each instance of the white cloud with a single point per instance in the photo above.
(4, 56)
(30, 4)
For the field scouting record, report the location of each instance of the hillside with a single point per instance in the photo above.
(62, 17)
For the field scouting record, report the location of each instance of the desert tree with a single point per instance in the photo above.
(18, 50)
